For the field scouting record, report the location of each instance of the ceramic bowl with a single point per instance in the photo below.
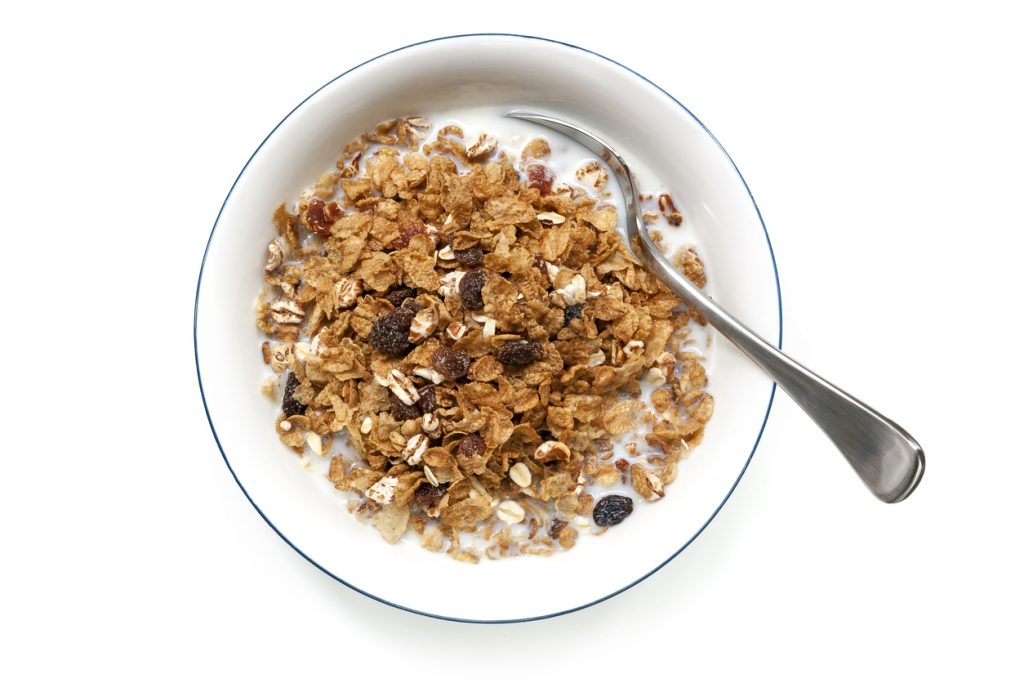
(661, 138)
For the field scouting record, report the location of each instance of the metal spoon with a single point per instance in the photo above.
(885, 456)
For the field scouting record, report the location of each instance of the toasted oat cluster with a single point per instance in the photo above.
(479, 336)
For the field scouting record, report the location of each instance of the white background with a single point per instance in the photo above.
(883, 144)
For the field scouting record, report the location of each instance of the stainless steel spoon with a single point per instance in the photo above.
(885, 456)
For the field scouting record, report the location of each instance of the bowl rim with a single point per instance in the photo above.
(213, 429)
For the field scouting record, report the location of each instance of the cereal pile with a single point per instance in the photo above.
(479, 335)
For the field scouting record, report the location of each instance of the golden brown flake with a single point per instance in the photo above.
(499, 448)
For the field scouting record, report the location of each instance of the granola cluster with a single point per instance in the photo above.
(480, 337)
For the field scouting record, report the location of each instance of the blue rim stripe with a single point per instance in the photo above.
(216, 438)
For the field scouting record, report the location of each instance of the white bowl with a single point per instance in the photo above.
(653, 131)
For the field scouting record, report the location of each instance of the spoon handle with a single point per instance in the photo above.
(885, 456)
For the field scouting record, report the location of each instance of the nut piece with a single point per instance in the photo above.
(550, 217)
(347, 290)
(366, 426)
(646, 483)
(402, 387)
(575, 292)
(316, 444)
(635, 345)
(414, 449)
(669, 209)
(456, 330)
(280, 357)
(591, 173)
(551, 450)
(552, 270)
(429, 374)
(431, 425)
(489, 323)
(286, 311)
(520, 474)
(383, 491)
(446, 253)
(423, 325)
(511, 512)
(482, 147)
(582, 523)
(450, 283)
(595, 359)
(667, 362)
(275, 256)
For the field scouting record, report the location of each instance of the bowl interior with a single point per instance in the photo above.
(663, 141)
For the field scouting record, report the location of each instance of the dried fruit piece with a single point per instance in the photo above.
(556, 528)
(427, 496)
(611, 510)
(289, 405)
(571, 313)
(400, 411)
(390, 332)
(471, 258)
(539, 177)
(428, 399)
(406, 233)
(519, 353)
(471, 446)
(398, 295)
(471, 289)
(320, 217)
(452, 363)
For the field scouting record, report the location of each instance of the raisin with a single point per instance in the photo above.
(519, 352)
(428, 398)
(571, 313)
(406, 233)
(320, 217)
(450, 362)
(471, 446)
(402, 412)
(556, 528)
(427, 496)
(540, 177)
(390, 332)
(398, 295)
(612, 509)
(471, 258)
(471, 289)
(289, 405)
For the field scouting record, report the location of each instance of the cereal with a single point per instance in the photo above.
(473, 333)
